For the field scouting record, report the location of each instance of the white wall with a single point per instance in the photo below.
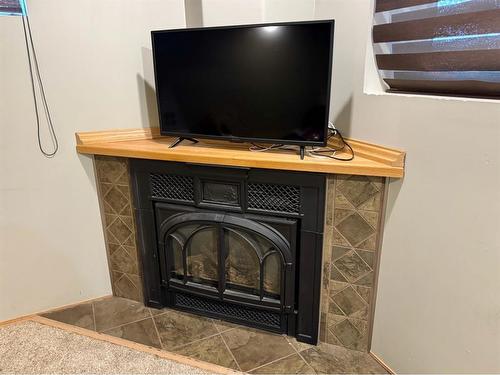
(438, 306)
(95, 58)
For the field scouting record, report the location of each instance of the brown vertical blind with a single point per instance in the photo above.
(11, 7)
(447, 47)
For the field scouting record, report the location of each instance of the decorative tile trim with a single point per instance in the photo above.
(112, 175)
(351, 248)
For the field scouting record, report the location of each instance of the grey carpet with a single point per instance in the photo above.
(33, 348)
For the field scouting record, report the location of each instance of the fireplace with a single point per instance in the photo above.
(242, 245)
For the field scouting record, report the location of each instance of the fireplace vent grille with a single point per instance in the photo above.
(170, 186)
(228, 310)
(274, 198)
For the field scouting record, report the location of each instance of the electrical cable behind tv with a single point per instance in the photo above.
(35, 71)
(319, 152)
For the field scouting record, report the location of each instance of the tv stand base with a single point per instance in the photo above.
(180, 139)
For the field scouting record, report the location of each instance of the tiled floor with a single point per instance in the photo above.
(213, 341)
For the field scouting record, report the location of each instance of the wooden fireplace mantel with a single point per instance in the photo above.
(369, 160)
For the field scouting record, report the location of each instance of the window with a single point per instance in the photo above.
(12, 7)
(449, 47)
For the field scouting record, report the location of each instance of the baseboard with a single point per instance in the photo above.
(382, 363)
(19, 319)
(28, 316)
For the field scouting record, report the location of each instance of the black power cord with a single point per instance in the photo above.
(330, 152)
(324, 152)
(35, 70)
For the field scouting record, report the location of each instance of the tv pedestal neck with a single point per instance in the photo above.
(180, 139)
(302, 152)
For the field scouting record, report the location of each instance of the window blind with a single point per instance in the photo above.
(447, 47)
(11, 7)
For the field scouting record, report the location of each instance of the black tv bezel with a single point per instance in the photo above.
(164, 132)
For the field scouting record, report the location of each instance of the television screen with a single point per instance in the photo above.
(260, 83)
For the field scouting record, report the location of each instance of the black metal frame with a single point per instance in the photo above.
(182, 135)
(298, 235)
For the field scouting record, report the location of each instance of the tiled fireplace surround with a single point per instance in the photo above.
(351, 250)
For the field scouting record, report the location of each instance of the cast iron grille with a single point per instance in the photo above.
(274, 198)
(170, 186)
(225, 310)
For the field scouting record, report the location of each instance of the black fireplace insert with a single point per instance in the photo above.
(238, 244)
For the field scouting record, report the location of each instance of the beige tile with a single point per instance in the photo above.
(371, 218)
(357, 189)
(355, 229)
(336, 275)
(143, 332)
(372, 204)
(338, 251)
(252, 348)
(342, 202)
(113, 312)
(180, 328)
(366, 280)
(335, 309)
(350, 336)
(157, 311)
(223, 326)
(352, 266)
(116, 200)
(122, 260)
(340, 214)
(338, 239)
(300, 346)
(332, 359)
(120, 230)
(80, 315)
(212, 350)
(126, 287)
(333, 320)
(369, 244)
(332, 339)
(349, 301)
(293, 364)
(336, 286)
(364, 292)
(110, 169)
(367, 256)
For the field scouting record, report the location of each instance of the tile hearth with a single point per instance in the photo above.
(213, 341)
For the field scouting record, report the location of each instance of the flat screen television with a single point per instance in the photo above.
(266, 83)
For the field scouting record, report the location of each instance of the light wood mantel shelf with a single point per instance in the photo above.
(369, 160)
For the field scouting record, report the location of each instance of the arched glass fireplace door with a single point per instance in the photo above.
(228, 257)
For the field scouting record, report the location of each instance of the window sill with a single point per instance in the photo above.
(431, 96)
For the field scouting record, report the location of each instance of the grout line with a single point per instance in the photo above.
(307, 363)
(156, 328)
(230, 352)
(300, 355)
(367, 304)
(124, 324)
(332, 301)
(346, 281)
(192, 342)
(223, 329)
(274, 361)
